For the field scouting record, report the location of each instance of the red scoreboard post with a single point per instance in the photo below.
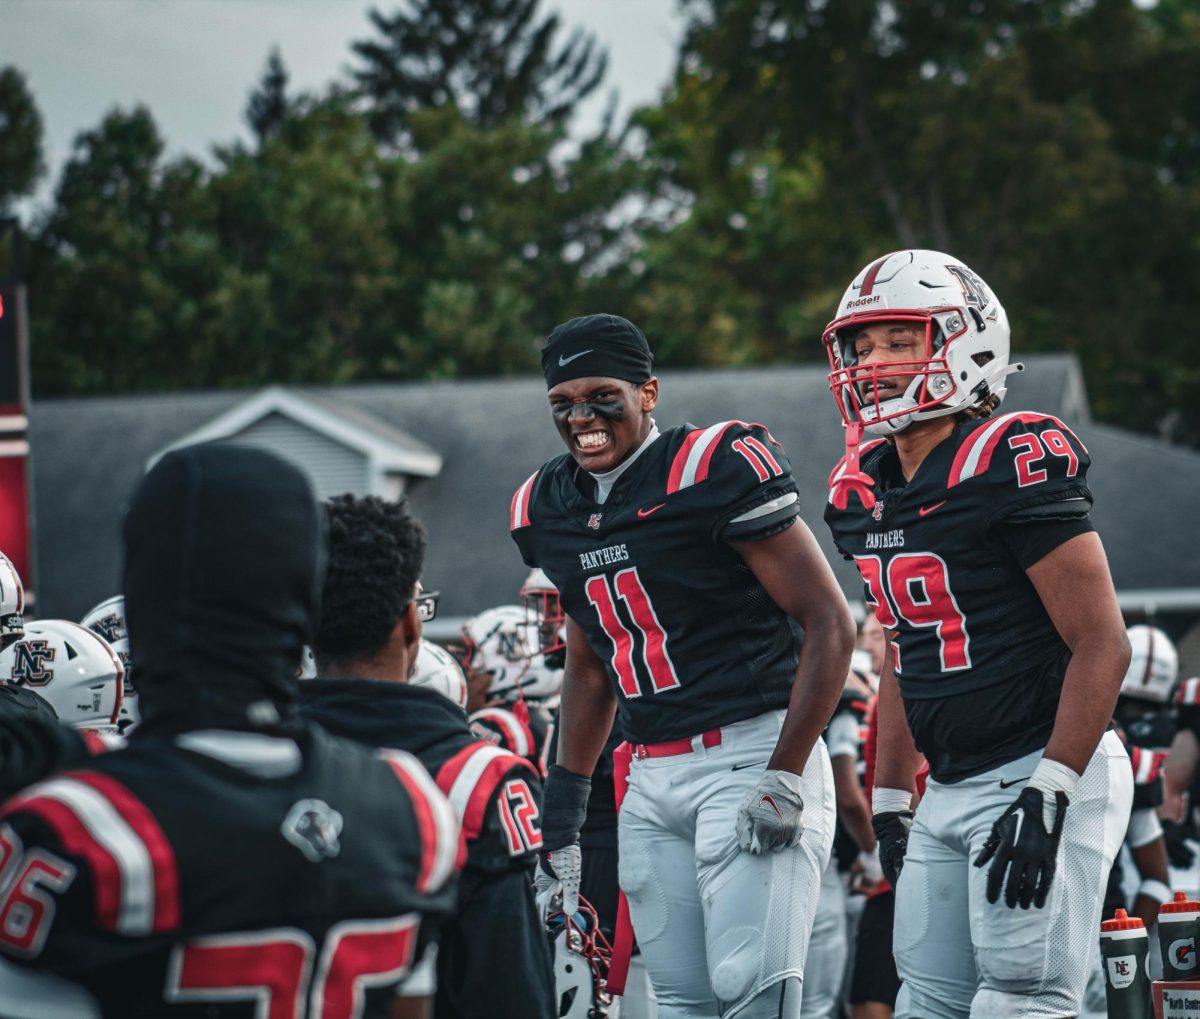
(16, 495)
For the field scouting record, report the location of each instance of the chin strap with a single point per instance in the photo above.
(848, 478)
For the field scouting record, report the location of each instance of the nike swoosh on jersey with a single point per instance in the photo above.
(924, 511)
(1006, 785)
(564, 361)
(753, 764)
(652, 509)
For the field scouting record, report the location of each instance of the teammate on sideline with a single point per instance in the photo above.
(679, 558)
(366, 647)
(231, 858)
(1007, 647)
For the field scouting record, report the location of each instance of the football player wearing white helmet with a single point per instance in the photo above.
(12, 603)
(75, 670)
(380, 683)
(973, 537)
(108, 620)
(509, 680)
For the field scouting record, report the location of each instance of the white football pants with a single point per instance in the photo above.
(825, 967)
(961, 956)
(718, 926)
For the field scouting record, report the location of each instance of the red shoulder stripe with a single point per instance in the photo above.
(443, 850)
(515, 734)
(470, 778)
(974, 456)
(518, 509)
(135, 877)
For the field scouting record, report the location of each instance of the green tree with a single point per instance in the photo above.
(21, 164)
(268, 105)
(1051, 145)
(491, 59)
(117, 263)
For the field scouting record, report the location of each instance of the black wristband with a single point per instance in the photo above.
(564, 806)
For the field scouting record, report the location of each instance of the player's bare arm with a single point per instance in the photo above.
(794, 572)
(898, 758)
(1076, 588)
(588, 705)
(853, 811)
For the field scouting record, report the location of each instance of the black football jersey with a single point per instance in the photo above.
(943, 559)
(690, 638)
(497, 797)
(229, 874)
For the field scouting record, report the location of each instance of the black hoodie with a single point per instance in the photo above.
(480, 973)
(224, 562)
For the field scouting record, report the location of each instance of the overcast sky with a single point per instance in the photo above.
(192, 62)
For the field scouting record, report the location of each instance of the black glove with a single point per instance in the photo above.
(891, 832)
(1021, 845)
(1179, 852)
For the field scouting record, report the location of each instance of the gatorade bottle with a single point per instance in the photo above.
(1178, 937)
(1123, 951)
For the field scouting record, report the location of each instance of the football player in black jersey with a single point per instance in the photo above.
(232, 860)
(679, 559)
(971, 532)
(366, 648)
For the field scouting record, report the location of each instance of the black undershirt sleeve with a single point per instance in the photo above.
(1030, 540)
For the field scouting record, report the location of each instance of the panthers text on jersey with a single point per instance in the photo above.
(943, 559)
(497, 796)
(690, 639)
(229, 874)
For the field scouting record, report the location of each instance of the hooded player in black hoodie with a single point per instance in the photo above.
(494, 958)
(232, 859)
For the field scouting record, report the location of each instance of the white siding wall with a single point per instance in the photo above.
(331, 467)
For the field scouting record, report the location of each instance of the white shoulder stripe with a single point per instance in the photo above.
(707, 438)
(464, 785)
(979, 443)
(112, 832)
(767, 507)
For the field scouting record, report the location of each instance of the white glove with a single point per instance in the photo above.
(558, 871)
(872, 869)
(770, 819)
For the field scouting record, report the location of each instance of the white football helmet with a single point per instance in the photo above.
(966, 341)
(12, 602)
(543, 609)
(73, 668)
(108, 620)
(497, 641)
(436, 668)
(1154, 666)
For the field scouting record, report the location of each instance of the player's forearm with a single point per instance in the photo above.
(1180, 768)
(820, 676)
(897, 759)
(585, 719)
(1089, 695)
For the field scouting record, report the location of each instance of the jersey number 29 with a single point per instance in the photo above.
(916, 588)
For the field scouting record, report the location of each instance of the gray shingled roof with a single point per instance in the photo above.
(492, 433)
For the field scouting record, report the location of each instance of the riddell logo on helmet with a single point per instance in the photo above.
(862, 302)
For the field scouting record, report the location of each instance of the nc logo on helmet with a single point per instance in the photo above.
(1183, 953)
(29, 662)
(975, 291)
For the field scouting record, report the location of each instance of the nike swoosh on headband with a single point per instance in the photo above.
(564, 361)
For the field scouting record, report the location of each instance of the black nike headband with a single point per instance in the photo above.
(601, 346)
